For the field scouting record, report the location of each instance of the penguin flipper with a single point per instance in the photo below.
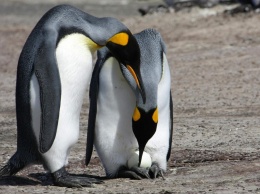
(171, 127)
(47, 74)
(102, 55)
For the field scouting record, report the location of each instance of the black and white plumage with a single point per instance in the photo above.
(119, 122)
(53, 73)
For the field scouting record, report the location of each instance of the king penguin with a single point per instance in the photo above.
(120, 123)
(54, 70)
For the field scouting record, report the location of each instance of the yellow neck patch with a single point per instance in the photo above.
(120, 38)
(91, 44)
(136, 115)
(77, 39)
(155, 115)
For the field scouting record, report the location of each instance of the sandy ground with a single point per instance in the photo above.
(215, 68)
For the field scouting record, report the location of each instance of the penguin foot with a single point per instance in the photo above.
(9, 169)
(5, 171)
(240, 9)
(133, 173)
(155, 171)
(63, 179)
(144, 172)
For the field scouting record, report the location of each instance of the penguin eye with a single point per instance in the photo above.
(120, 38)
(155, 116)
(136, 115)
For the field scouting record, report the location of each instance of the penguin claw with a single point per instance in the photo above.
(138, 173)
(133, 173)
(128, 174)
(63, 179)
(156, 170)
(74, 181)
(240, 9)
(141, 171)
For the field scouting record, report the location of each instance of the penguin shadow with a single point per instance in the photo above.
(102, 178)
(33, 179)
(18, 181)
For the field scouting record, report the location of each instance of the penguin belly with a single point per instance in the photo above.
(157, 146)
(74, 59)
(114, 138)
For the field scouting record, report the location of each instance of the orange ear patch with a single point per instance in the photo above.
(120, 38)
(136, 115)
(155, 115)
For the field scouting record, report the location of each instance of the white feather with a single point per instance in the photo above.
(114, 139)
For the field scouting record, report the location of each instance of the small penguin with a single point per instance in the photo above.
(54, 70)
(120, 123)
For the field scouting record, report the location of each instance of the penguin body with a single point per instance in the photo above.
(113, 99)
(74, 62)
(53, 73)
(114, 139)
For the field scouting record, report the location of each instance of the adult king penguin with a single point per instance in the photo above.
(120, 123)
(54, 70)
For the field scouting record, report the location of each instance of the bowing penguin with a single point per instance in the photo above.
(120, 123)
(54, 70)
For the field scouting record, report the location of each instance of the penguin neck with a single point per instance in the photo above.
(77, 40)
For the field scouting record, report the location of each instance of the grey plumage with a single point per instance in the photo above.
(119, 132)
(38, 58)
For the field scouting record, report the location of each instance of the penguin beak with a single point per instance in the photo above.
(141, 151)
(139, 82)
(144, 126)
(126, 49)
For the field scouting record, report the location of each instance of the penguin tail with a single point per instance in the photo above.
(14, 165)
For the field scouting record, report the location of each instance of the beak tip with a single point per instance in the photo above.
(141, 150)
(143, 95)
(144, 98)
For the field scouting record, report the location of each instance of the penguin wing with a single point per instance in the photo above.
(171, 127)
(171, 109)
(102, 55)
(47, 73)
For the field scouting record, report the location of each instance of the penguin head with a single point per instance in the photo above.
(125, 48)
(144, 126)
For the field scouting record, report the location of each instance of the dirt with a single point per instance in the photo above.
(215, 68)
